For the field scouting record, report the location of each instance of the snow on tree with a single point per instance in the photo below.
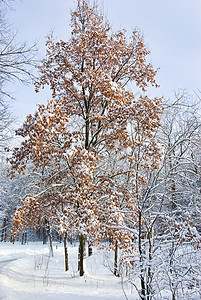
(88, 117)
(167, 229)
(16, 64)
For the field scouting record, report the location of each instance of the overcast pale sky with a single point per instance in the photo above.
(171, 28)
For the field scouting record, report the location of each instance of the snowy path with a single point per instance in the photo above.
(3, 263)
(27, 272)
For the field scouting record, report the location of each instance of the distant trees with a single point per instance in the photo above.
(181, 190)
(5, 125)
(10, 193)
(169, 235)
(16, 63)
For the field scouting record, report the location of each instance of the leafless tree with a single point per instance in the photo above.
(16, 64)
(169, 234)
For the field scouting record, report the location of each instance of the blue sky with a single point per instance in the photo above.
(171, 28)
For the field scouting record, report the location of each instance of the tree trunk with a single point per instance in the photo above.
(150, 271)
(81, 255)
(142, 278)
(173, 205)
(116, 273)
(4, 231)
(59, 237)
(90, 250)
(38, 233)
(66, 252)
(44, 236)
(173, 296)
(24, 238)
(49, 235)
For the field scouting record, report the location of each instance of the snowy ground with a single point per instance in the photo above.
(27, 272)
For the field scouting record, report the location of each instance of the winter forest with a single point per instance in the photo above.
(104, 176)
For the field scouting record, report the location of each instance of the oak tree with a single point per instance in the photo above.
(88, 117)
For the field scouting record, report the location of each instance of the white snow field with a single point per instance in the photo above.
(27, 272)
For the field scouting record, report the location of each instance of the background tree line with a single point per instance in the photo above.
(100, 163)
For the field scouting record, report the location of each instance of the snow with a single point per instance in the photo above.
(27, 272)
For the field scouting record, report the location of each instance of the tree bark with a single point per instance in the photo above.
(116, 273)
(66, 252)
(90, 250)
(81, 255)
